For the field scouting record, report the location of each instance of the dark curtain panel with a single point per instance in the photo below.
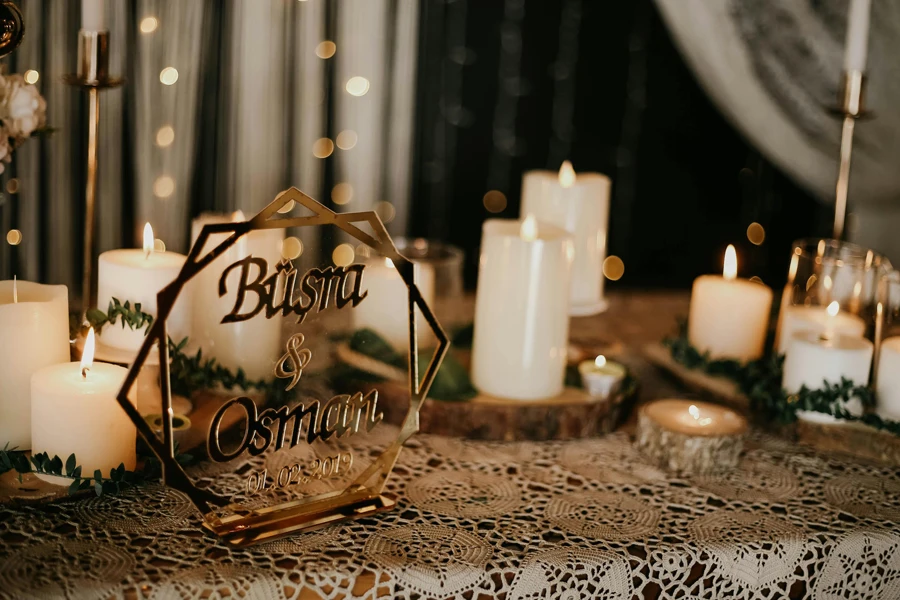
(513, 85)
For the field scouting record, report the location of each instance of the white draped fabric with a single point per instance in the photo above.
(239, 125)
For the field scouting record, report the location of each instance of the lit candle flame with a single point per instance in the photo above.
(87, 355)
(695, 412)
(730, 270)
(833, 309)
(148, 239)
(566, 175)
(600, 361)
(15, 290)
(529, 230)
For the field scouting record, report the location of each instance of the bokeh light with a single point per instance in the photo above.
(31, 76)
(494, 201)
(323, 147)
(165, 135)
(342, 193)
(343, 255)
(288, 207)
(347, 139)
(168, 76)
(149, 24)
(325, 49)
(163, 187)
(159, 245)
(386, 211)
(756, 234)
(12, 186)
(14, 237)
(291, 248)
(613, 268)
(357, 86)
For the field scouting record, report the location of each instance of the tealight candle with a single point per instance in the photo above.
(690, 437)
(887, 383)
(601, 377)
(137, 276)
(252, 345)
(819, 320)
(521, 332)
(385, 309)
(74, 410)
(34, 319)
(812, 360)
(729, 316)
(580, 205)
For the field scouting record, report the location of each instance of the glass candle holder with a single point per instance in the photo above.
(886, 374)
(832, 288)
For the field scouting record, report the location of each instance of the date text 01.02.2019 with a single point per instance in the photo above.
(299, 474)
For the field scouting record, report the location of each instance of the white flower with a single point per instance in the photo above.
(24, 109)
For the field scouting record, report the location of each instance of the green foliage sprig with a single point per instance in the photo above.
(41, 463)
(760, 380)
(125, 313)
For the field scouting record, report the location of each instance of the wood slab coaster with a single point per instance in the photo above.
(855, 439)
(721, 388)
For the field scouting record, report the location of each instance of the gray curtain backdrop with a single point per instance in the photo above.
(251, 99)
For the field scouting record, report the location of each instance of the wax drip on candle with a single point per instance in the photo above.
(566, 175)
(600, 361)
(529, 230)
(695, 412)
(87, 355)
(148, 240)
(730, 270)
(15, 290)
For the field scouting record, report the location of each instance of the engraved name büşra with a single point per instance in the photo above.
(341, 416)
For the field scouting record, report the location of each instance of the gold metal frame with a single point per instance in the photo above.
(363, 496)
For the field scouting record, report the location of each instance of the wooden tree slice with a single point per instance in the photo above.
(856, 439)
(571, 415)
(686, 453)
(720, 388)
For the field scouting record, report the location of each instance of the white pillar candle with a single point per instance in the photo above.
(812, 360)
(729, 317)
(856, 48)
(136, 276)
(385, 309)
(253, 345)
(580, 205)
(34, 324)
(887, 384)
(74, 410)
(817, 319)
(93, 17)
(521, 309)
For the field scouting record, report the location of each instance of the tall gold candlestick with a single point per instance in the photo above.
(851, 107)
(92, 76)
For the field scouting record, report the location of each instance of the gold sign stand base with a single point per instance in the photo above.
(286, 520)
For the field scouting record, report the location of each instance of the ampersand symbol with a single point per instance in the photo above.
(297, 357)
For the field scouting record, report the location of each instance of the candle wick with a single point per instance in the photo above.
(84, 371)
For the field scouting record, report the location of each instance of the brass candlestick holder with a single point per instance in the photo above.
(92, 77)
(851, 107)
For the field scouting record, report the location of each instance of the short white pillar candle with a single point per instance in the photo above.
(580, 205)
(729, 317)
(137, 276)
(522, 309)
(817, 319)
(74, 410)
(253, 345)
(887, 382)
(34, 321)
(812, 360)
(385, 309)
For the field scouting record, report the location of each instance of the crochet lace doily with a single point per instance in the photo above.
(586, 519)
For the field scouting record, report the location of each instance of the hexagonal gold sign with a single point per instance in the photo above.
(230, 515)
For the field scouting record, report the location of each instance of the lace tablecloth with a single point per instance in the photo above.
(586, 519)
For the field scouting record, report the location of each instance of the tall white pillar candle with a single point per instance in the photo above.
(34, 327)
(521, 309)
(580, 205)
(252, 345)
(136, 276)
(385, 309)
(729, 317)
(817, 319)
(93, 17)
(887, 384)
(74, 410)
(856, 48)
(813, 359)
